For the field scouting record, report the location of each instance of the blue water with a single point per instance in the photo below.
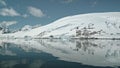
(59, 54)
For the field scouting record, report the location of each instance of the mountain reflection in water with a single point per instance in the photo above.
(59, 53)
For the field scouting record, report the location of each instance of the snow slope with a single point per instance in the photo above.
(97, 25)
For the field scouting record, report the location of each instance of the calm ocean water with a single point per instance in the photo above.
(59, 53)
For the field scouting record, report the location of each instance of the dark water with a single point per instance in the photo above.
(59, 53)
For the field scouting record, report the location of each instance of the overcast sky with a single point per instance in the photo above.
(32, 12)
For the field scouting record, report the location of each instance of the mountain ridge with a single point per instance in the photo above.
(90, 25)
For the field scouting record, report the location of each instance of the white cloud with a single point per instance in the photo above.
(8, 12)
(8, 23)
(35, 12)
(2, 2)
(25, 15)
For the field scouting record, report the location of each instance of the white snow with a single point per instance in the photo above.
(107, 24)
(26, 28)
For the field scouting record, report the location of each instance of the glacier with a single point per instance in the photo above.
(90, 25)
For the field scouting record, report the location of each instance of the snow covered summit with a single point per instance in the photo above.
(91, 25)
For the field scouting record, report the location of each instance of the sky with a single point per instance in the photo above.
(32, 12)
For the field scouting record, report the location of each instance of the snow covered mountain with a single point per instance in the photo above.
(91, 25)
